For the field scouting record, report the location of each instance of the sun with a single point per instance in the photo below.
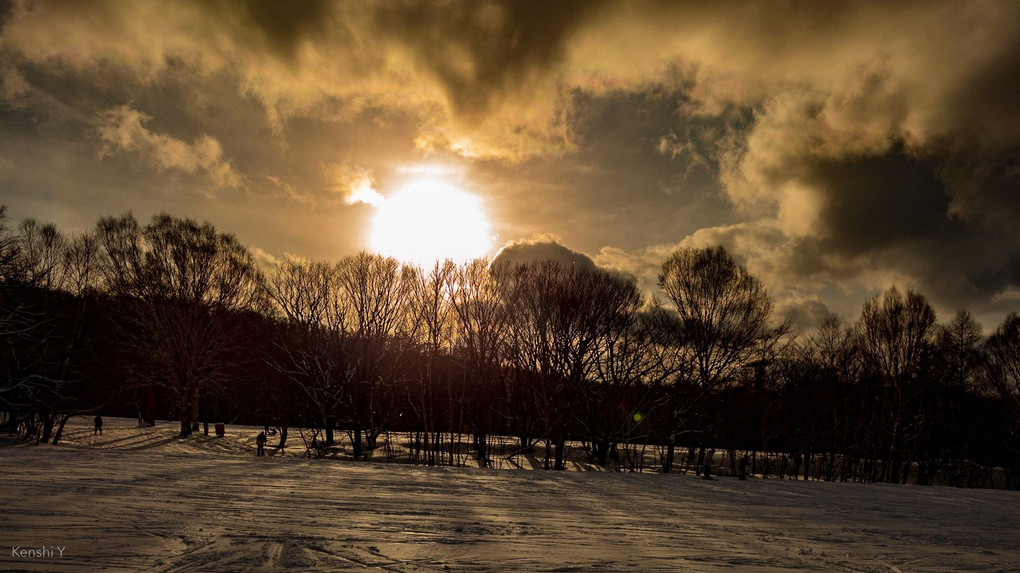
(428, 220)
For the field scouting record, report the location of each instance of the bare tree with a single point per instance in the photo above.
(350, 324)
(722, 313)
(14, 323)
(1003, 376)
(619, 393)
(40, 330)
(1003, 348)
(953, 371)
(959, 344)
(377, 292)
(559, 315)
(11, 270)
(81, 265)
(825, 393)
(42, 249)
(180, 285)
(439, 401)
(896, 334)
(480, 331)
(315, 347)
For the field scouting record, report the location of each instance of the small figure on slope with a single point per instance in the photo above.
(98, 423)
(260, 441)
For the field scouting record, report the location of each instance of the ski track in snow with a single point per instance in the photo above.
(137, 499)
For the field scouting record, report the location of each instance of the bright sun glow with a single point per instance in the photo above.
(429, 220)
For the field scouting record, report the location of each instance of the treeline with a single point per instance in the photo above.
(176, 319)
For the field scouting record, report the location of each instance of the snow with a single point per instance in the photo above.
(140, 499)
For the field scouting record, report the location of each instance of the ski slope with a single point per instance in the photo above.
(127, 502)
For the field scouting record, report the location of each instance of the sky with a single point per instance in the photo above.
(834, 148)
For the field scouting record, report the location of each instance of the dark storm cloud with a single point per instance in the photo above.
(996, 279)
(283, 25)
(899, 210)
(917, 216)
(874, 202)
(481, 71)
(834, 147)
(984, 103)
(482, 51)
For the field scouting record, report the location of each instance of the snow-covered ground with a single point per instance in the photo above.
(138, 499)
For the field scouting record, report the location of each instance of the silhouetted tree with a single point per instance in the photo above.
(81, 266)
(539, 351)
(479, 344)
(179, 285)
(316, 342)
(1003, 378)
(825, 398)
(1003, 348)
(956, 362)
(377, 292)
(560, 317)
(619, 393)
(40, 332)
(896, 335)
(42, 248)
(721, 313)
(438, 402)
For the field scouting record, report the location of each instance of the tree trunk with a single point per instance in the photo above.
(189, 411)
(60, 429)
(667, 464)
(527, 444)
(561, 446)
(894, 469)
(601, 448)
(358, 450)
(330, 422)
(481, 453)
(47, 428)
(150, 406)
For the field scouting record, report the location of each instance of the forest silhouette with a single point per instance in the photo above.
(175, 320)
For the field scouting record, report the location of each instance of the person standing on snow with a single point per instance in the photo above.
(98, 423)
(260, 441)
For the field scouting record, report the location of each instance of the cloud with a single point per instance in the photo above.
(476, 70)
(775, 258)
(12, 85)
(832, 147)
(287, 190)
(744, 242)
(354, 184)
(492, 77)
(123, 129)
(545, 247)
(860, 196)
(803, 314)
(264, 259)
